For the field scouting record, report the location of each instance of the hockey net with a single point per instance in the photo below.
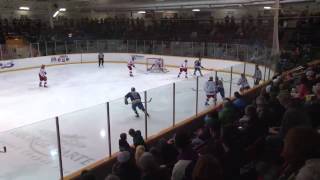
(155, 65)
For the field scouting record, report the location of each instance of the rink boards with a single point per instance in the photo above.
(169, 61)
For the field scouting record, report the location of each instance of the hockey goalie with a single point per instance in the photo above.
(157, 65)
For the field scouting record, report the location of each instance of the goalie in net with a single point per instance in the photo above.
(155, 65)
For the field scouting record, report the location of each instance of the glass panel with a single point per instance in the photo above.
(160, 108)
(31, 152)
(149, 47)
(176, 48)
(60, 47)
(185, 98)
(186, 48)
(140, 46)
(122, 119)
(157, 47)
(34, 50)
(132, 48)
(92, 46)
(84, 137)
(102, 45)
(72, 47)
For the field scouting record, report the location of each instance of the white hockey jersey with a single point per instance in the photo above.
(131, 62)
(42, 72)
(184, 65)
(257, 74)
(243, 82)
(210, 88)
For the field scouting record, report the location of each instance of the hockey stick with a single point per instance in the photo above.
(143, 102)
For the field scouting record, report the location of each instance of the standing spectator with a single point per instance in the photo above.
(137, 137)
(123, 144)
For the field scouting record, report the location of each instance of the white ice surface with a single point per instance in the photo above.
(77, 94)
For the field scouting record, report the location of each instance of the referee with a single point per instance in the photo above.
(101, 59)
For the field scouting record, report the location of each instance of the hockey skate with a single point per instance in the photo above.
(131, 75)
(40, 84)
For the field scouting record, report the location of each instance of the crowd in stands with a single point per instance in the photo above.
(274, 137)
(230, 29)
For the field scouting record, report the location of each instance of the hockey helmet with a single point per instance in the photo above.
(185, 60)
(42, 66)
(133, 89)
(210, 78)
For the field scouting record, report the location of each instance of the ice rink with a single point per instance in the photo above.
(77, 94)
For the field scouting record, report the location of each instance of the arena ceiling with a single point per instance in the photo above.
(105, 5)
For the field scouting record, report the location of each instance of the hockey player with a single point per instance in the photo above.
(157, 65)
(184, 68)
(130, 65)
(257, 76)
(43, 76)
(197, 67)
(210, 89)
(243, 83)
(101, 59)
(135, 100)
(220, 88)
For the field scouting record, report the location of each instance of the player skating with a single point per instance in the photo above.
(43, 76)
(210, 89)
(101, 59)
(135, 100)
(257, 76)
(243, 83)
(220, 88)
(184, 68)
(197, 67)
(130, 65)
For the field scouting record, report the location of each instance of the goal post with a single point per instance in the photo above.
(155, 65)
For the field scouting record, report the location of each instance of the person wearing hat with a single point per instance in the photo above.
(210, 89)
(135, 100)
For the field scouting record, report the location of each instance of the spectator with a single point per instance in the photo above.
(186, 158)
(150, 169)
(123, 144)
(86, 175)
(112, 177)
(125, 168)
(139, 151)
(228, 114)
(137, 138)
(207, 168)
(300, 145)
(239, 102)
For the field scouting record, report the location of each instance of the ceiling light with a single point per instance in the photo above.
(62, 9)
(195, 10)
(267, 7)
(56, 14)
(24, 8)
(141, 12)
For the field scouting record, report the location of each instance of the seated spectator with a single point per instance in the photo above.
(300, 145)
(239, 102)
(139, 151)
(302, 88)
(112, 177)
(86, 175)
(137, 137)
(186, 158)
(207, 168)
(150, 170)
(125, 168)
(123, 144)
